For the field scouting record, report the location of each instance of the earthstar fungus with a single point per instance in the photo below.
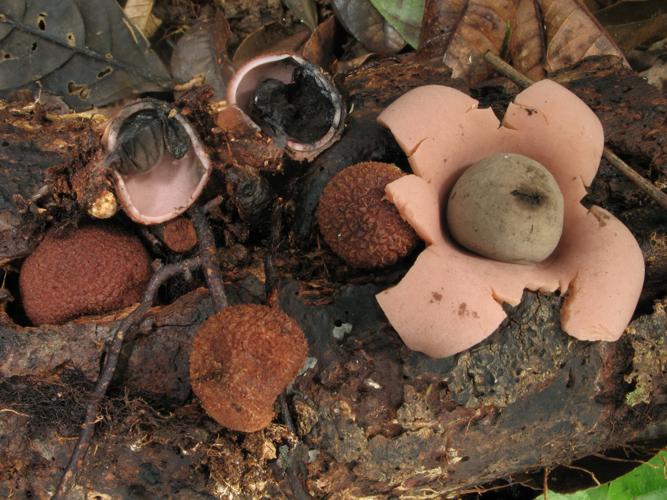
(451, 299)
(90, 270)
(356, 220)
(286, 93)
(242, 358)
(176, 161)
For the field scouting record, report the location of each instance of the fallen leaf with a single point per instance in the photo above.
(572, 34)
(438, 26)
(275, 37)
(633, 22)
(367, 25)
(140, 12)
(304, 10)
(405, 16)
(527, 45)
(26, 56)
(203, 51)
(319, 48)
(463, 31)
(631, 35)
(86, 51)
(630, 11)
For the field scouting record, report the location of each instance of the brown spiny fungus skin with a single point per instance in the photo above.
(356, 220)
(242, 358)
(179, 235)
(89, 270)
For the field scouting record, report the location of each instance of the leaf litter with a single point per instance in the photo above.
(86, 51)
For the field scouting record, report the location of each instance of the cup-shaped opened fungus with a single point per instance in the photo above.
(159, 164)
(242, 358)
(451, 298)
(290, 99)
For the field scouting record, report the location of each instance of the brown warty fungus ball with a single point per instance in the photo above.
(89, 270)
(356, 220)
(242, 358)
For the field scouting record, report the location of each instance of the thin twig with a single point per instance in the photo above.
(590, 473)
(508, 70)
(131, 320)
(623, 460)
(9, 410)
(545, 484)
(644, 184)
(481, 491)
(197, 81)
(271, 290)
(647, 186)
(209, 257)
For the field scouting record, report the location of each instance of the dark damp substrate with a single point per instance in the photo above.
(300, 110)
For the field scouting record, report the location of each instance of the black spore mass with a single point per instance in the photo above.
(301, 110)
(144, 137)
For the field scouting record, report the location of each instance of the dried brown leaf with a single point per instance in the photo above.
(140, 12)
(463, 31)
(630, 35)
(273, 37)
(528, 40)
(319, 48)
(304, 10)
(367, 25)
(573, 33)
(439, 24)
(633, 22)
(630, 11)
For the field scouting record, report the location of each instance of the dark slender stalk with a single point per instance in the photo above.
(271, 289)
(208, 254)
(131, 320)
(644, 184)
(287, 416)
(270, 278)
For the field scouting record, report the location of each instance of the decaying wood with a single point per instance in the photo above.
(35, 153)
(371, 417)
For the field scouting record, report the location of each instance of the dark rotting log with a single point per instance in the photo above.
(372, 417)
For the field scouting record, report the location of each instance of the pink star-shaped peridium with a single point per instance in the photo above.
(451, 299)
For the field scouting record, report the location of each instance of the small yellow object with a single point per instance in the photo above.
(104, 206)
